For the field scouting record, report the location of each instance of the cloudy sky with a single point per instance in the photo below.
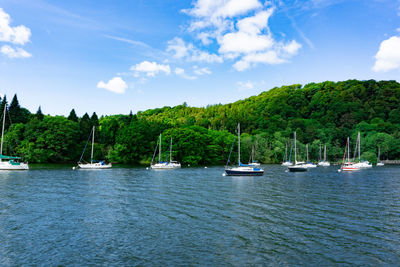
(115, 56)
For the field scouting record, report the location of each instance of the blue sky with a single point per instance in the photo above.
(115, 56)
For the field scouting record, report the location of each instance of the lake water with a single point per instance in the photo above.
(196, 216)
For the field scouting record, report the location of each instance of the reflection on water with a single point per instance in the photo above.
(196, 216)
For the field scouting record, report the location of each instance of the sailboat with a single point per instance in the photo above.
(323, 163)
(298, 166)
(164, 165)
(379, 163)
(364, 163)
(309, 164)
(242, 169)
(94, 164)
(253, 162)
(9, 162)
(347, 165)
(286, 160)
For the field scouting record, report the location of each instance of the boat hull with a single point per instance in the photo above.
(165, 166)
(94, 166)
(324, 164)
(297, 168)
(244, 173)
(5, 165)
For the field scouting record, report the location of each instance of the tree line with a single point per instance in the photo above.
(320, 113)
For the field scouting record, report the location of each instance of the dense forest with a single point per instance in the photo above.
(320, 113)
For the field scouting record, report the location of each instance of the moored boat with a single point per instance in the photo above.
(9, 162)
(242, 169)
(93, 164)
(297, 166)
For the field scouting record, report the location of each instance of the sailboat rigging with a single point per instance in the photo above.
(242, 169)
(94, 164)
(9, 163)
(164, 165)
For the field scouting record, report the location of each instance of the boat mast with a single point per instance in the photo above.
(307, 152)
(286, 159)
(239, 142)
(91, 155)
(170, 151)
(359, 146)
(325, 152)
(2, 130)
(295, 160)
(320, 155)
(348, 150)
(159, 151)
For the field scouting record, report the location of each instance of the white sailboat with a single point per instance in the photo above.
(287, 161)
(347, 165)
(253, 162)
(9, 162)
(242, 169)
(165, 165)
(93, 164)
(379, 163)
(309, 164)
(361, 164)
(299, 166)
(323, 163)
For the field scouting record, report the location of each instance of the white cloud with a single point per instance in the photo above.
(201, 71)
(241, 31)
(115, 85)
(151, 68)
(388, 56)
(16, 35)
(14, 53)
(181, 72)
(244, 86)
(182, 50)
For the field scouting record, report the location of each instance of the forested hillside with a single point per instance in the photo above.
(320, 113)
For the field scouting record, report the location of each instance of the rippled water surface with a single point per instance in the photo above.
(195, 216)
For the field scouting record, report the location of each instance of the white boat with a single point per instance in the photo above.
(242, 169)
(379, 163)
(309, 164)
(164, 165)
(347, 165)
(323, 163)
(361, 164)
(298, 166)
(253, 162)
(93, 164)
(9, 162)
(286, 160)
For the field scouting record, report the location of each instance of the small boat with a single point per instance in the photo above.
(379, 163)
(347, 165)
(93, 164)
(286, 160)
(253, 162)
(323, 163)
(309, 164)
(242, 169)
(164, 165)
(361, 164)
(9, 162)
(297, 166)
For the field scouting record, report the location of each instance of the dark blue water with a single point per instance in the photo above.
(195, 216)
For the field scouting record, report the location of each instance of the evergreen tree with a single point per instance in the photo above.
(72, 116)
(85, 126)
(15, 110)
(94, 119)
(39, 114)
